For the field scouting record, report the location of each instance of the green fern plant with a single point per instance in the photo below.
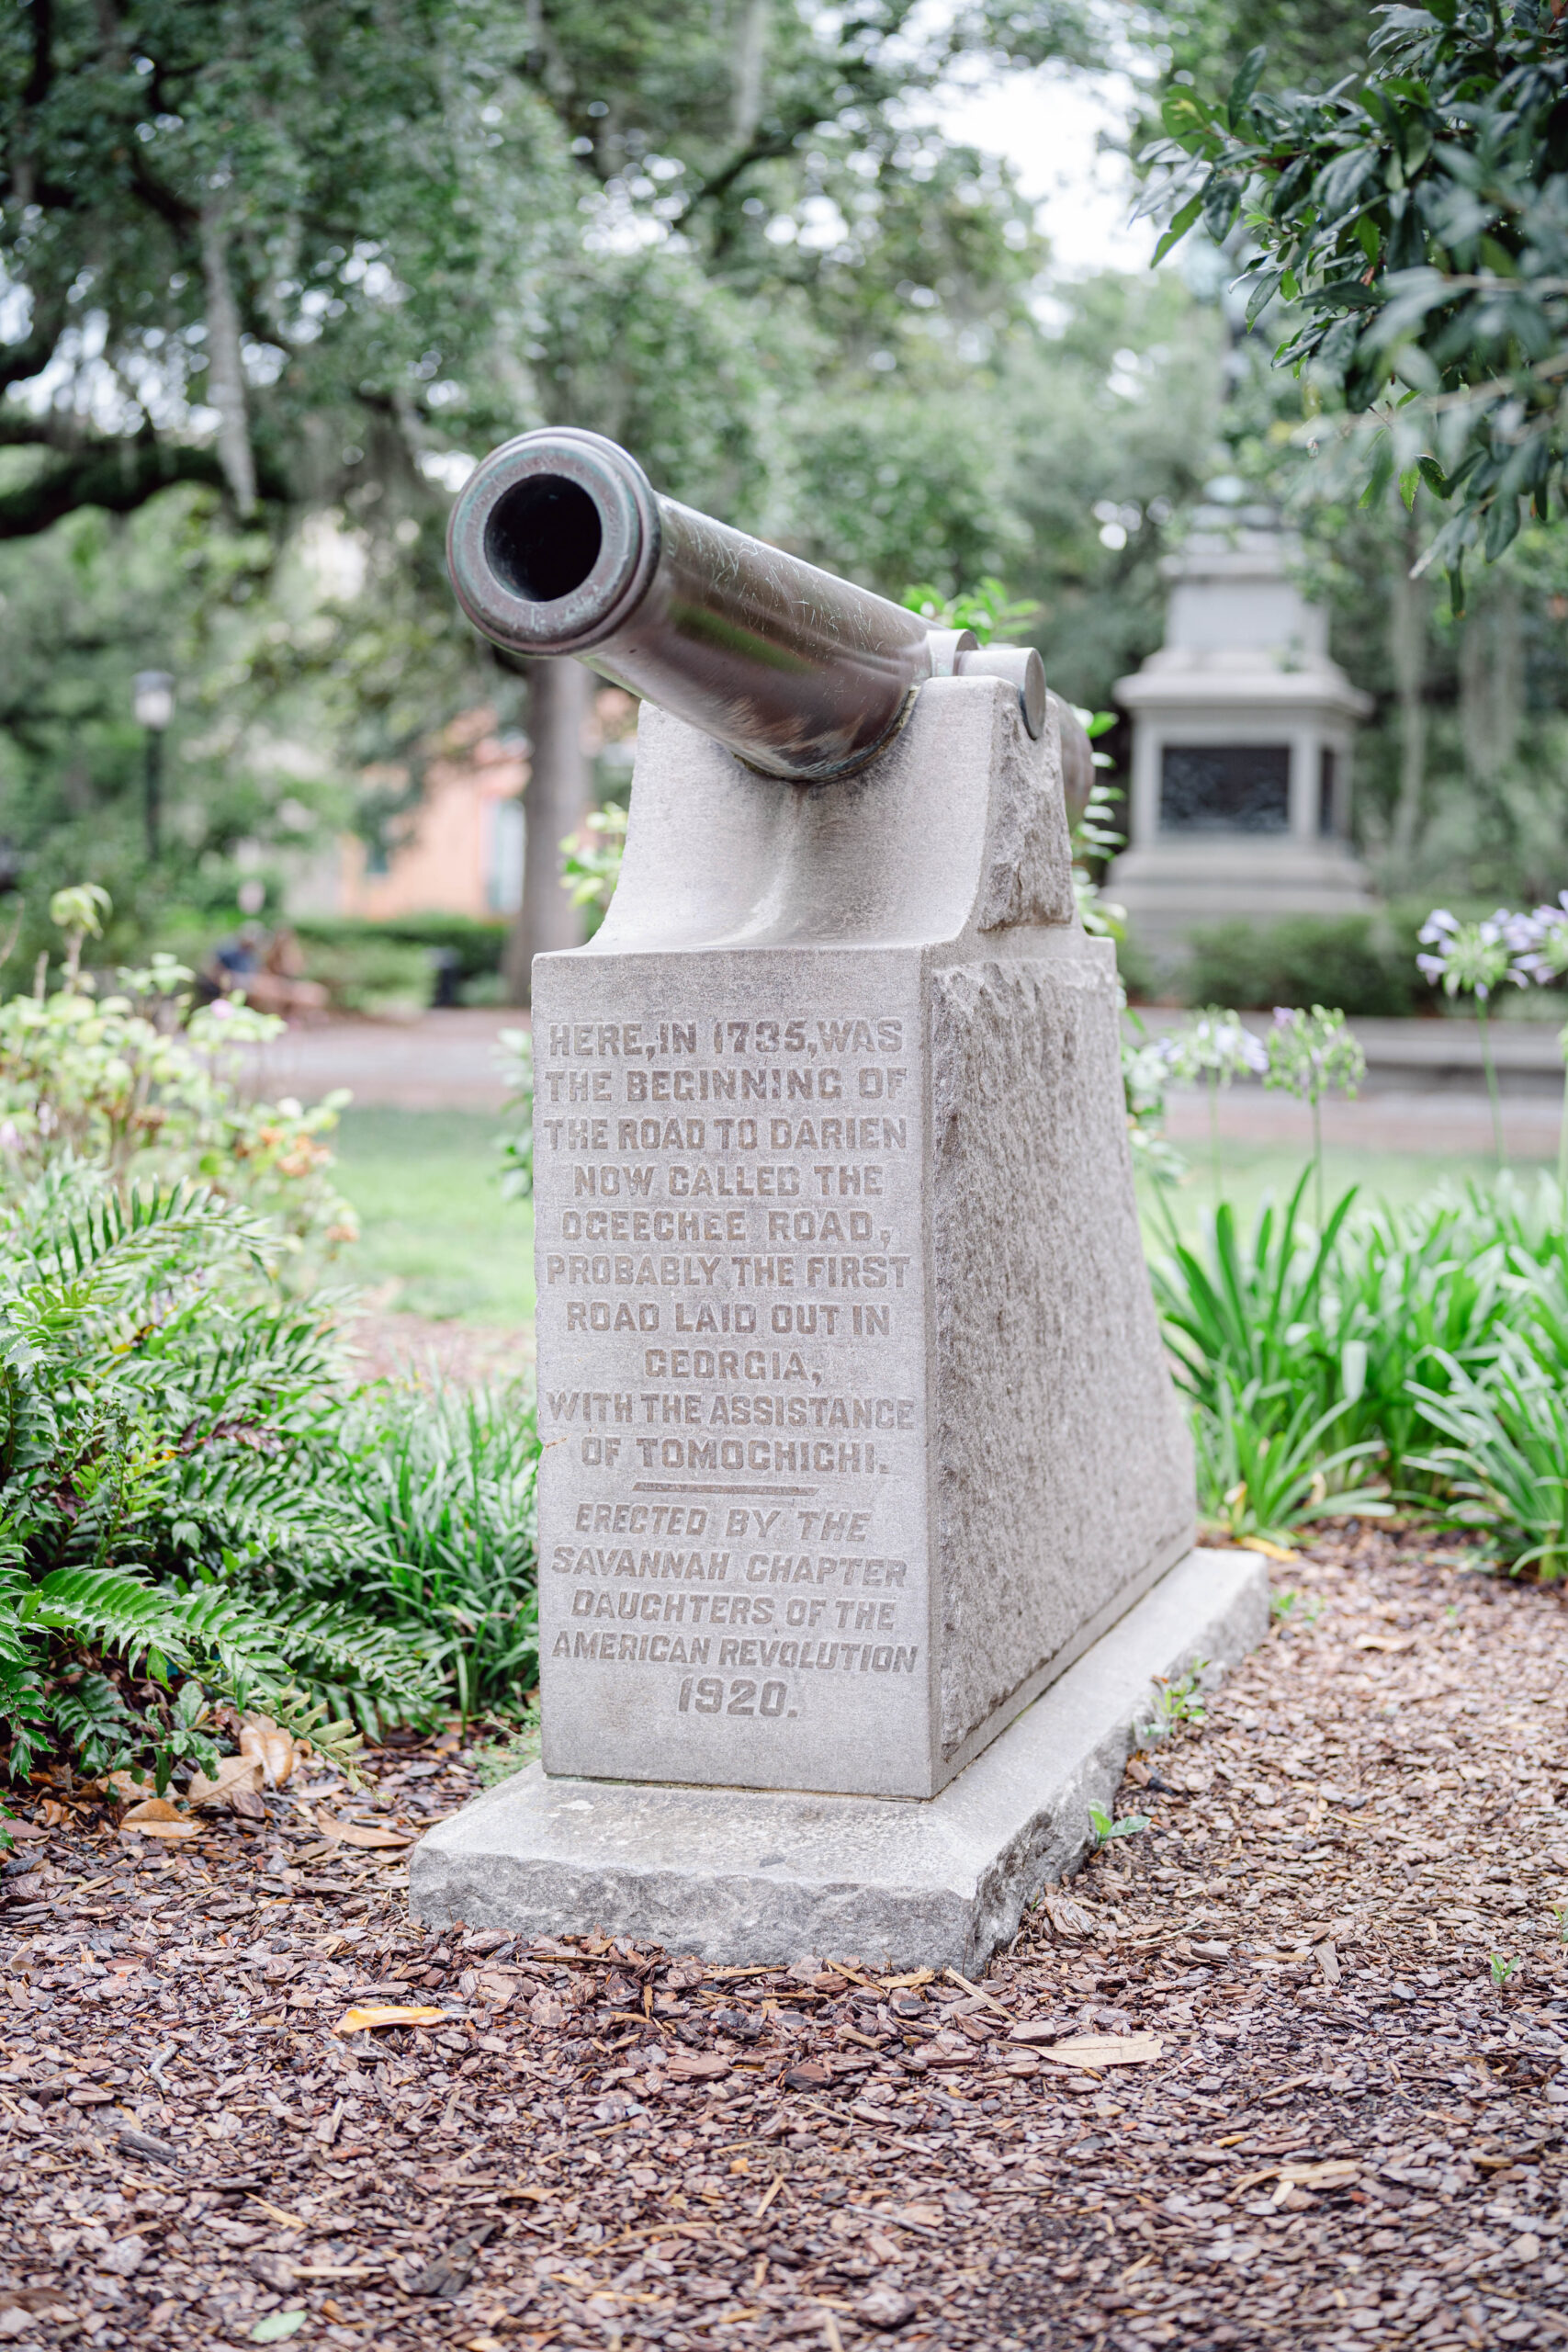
(178, 1521)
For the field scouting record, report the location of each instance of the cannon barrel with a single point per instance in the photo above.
(559, 544)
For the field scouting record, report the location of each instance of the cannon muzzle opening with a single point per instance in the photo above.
(559, 544)
(551, 538)
(543, 539)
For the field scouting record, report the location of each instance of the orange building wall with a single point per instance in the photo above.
(452, 850)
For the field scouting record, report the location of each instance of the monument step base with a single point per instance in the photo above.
(746, 1876)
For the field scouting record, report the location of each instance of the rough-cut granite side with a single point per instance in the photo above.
(750, 1877)
(1028, 877)
(1064, 1480)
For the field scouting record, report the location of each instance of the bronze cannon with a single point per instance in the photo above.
(559, 545)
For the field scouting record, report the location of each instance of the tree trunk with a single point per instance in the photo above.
(225, 368)
(1490, 680)
(1407, 655)
(559, 797)
(749, 61)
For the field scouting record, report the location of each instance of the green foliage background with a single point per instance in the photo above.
(729, 236)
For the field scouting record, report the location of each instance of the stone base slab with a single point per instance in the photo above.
(744, 1876)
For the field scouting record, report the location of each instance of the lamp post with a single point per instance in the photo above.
(154, 702)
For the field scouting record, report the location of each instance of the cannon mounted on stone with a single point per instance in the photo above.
(561, 545)
(866, 1501)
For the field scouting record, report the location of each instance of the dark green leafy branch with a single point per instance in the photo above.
(1416, 224)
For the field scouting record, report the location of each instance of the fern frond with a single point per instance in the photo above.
(394, 1661)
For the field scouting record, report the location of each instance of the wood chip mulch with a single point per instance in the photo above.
(1351, 2136)
(425, 1352)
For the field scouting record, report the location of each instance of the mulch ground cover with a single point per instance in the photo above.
(426, 1351)
(1350, 2135)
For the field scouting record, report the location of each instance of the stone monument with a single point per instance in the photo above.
(1242, 731)
(856, 1430)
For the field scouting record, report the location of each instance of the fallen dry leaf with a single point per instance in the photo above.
(1330, 2175)
(156, 1817)
(885, 2307)
(1392, 1641)
(31, 2299)
(1097, 2049)
(1270, 1551)
(366, 2021)
(1338, 2174)
(125, 2258)
(1064, 1918)
(353, 1833)
(235, 1773)
(266, 1744)
(696, 2066)
(276, 2213)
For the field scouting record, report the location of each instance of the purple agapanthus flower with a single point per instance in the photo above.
(1539, 941)
(1471, 958)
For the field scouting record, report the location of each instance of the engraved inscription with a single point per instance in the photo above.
(731, 1399)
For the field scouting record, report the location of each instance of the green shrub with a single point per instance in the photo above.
(1251, 1312)
(591, 862)
(450, 1479)
(174, 1500)
(479, 945)
(516, 1146)
(118, 1082)
(1347, 961)
(196, 1506)
(1140, 973)
(1430, 1339)
(371, 975)
(487, 990)
(1505, 1464)
(1265, 1467)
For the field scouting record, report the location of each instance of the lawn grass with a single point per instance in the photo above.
(1252, 1172)
(435, 1224)
(431, 1216)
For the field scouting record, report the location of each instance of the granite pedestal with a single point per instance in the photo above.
(747, 1875)
(856, 1424)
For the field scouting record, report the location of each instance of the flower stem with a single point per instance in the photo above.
(1317, 1157)
(1214, 1132)
(1485, 1029)
(1562, 1135)
(1173, 1234)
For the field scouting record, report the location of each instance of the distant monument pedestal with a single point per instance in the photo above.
(1243, 726)
(865, 1503)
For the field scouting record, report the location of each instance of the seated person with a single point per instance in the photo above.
(268, 972)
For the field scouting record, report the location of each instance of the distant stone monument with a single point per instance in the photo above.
(856, 1428)
(1243, 729)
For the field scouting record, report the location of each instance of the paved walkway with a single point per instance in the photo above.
(1448, 1125)
(448, 1062)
